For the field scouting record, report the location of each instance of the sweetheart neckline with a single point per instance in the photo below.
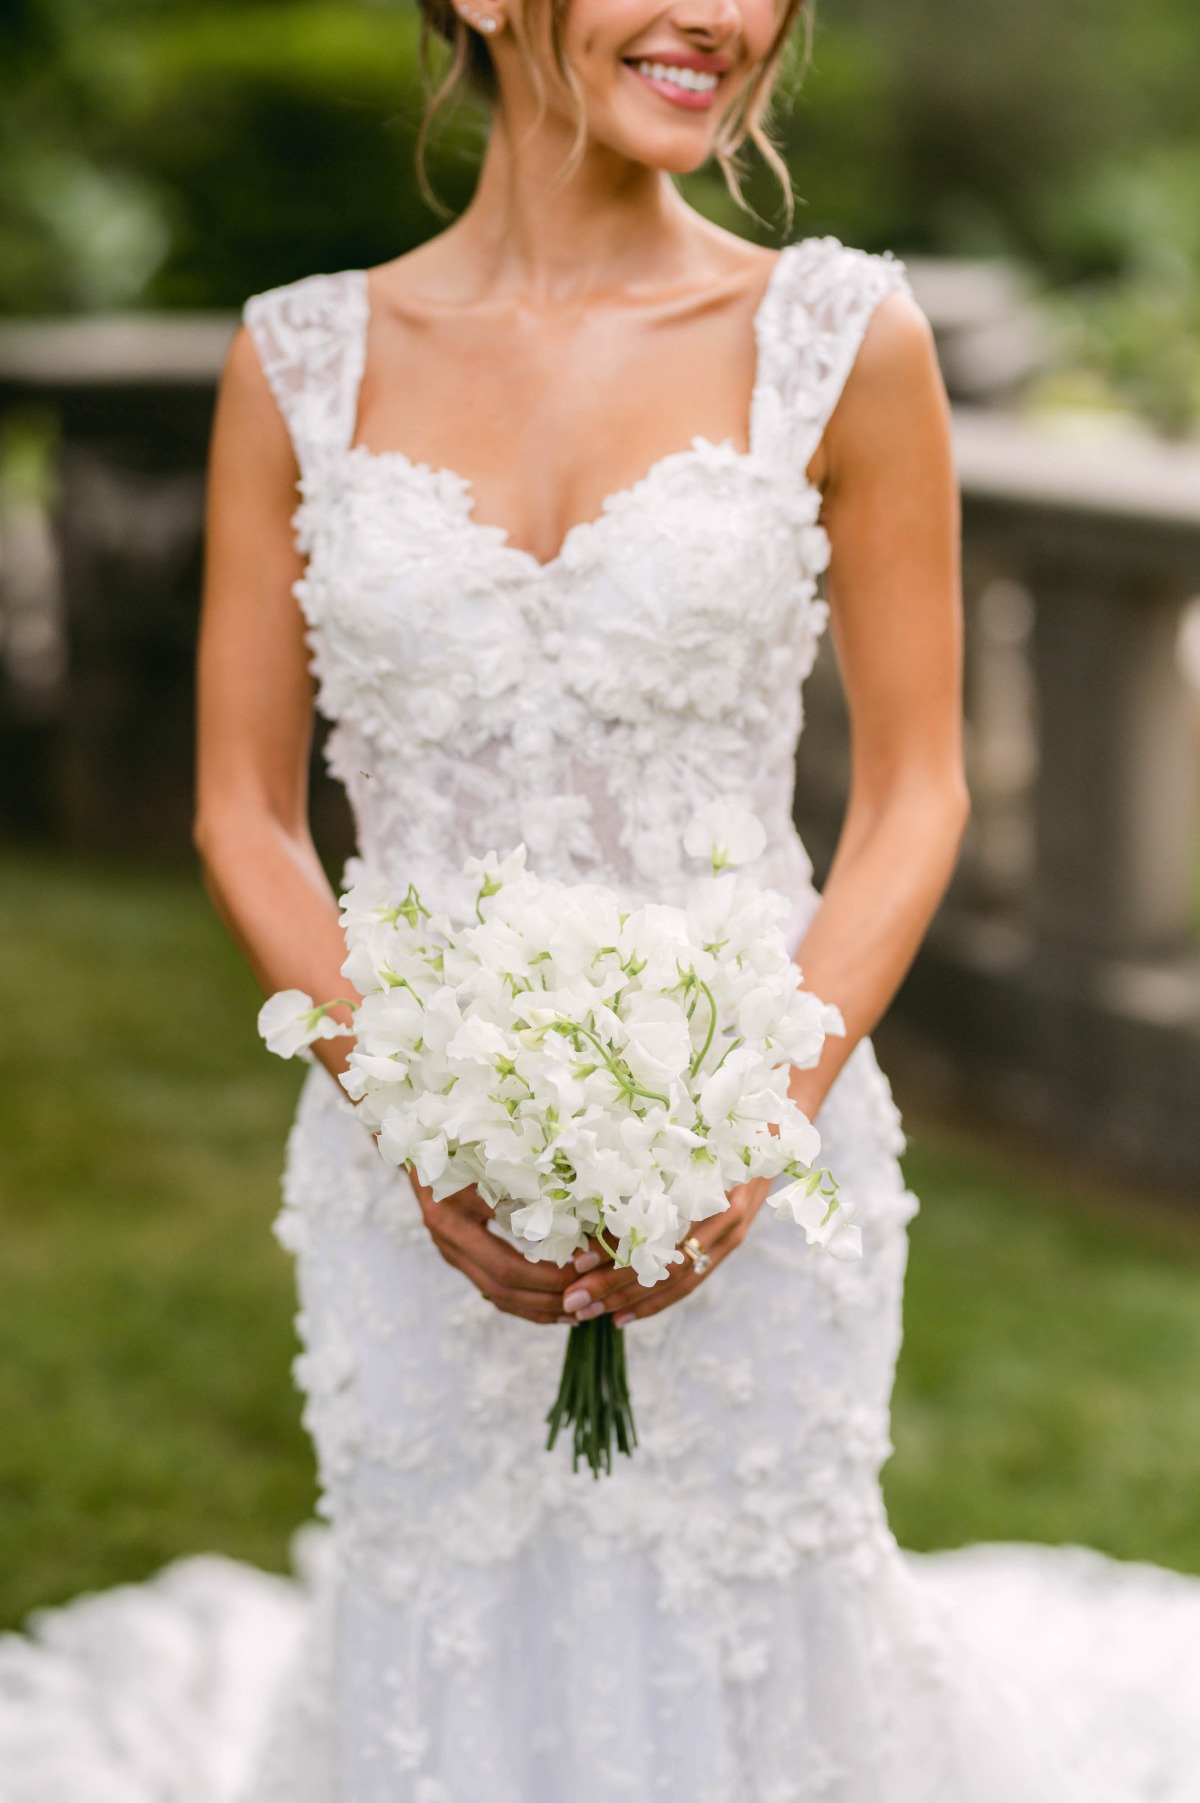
(501, 536)
(497, 536)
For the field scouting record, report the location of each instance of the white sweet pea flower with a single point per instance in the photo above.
(477, 1042)
(399, 1135)
(430, 1159)
(509, 1155)
(602, 1089)
(491, 873)
(556, 1238)
(587, 922)
(761, 1014)
(726, 833)
(551, 1080)
(658, 1040)
(362, 969)
(827, 1223)
(655, 945)
(845, 1240)
(740, 920)
(650, 1231)
(740, 1090)
(534, 1221)
(801, 1202)
(601, 1172)
(804, 1028)
(797, 1140)
(367, 903)
(698, 1189)
(369, 1068)
(290, 1022)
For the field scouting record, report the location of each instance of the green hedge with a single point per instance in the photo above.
(186, 155)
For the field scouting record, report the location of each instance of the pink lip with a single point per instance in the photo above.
(681, 59)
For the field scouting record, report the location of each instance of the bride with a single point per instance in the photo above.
(568, 477)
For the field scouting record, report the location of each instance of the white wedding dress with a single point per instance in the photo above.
(727, 1619)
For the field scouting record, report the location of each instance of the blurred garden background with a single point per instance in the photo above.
(1039, 165)
(170, 155)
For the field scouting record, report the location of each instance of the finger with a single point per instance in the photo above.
(504, 1267)
(513, 1267)
(617, 1287)
(719, 1237)
(460, 1218)
(515, 1285)
(603, 1291)
(528, 1306)
(460, 1229)
(653, 1302)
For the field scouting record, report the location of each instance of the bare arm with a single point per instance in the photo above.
(891, 509)
(255, 729)
(255, 705)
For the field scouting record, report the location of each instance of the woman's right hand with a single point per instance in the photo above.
(459, 1230)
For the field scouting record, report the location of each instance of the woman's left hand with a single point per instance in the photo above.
(618, 1292)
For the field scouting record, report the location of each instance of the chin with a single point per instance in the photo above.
(677, 146)
(669, 153)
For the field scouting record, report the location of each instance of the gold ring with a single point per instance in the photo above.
(699, 1257)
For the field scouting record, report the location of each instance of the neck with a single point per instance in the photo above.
(612, 222)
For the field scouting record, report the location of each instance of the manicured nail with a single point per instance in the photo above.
(586, 1261)
(577, 1298)
(623, 1320)
(589, 1314)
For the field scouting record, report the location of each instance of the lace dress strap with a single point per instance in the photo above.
(311, 340)
(814, 319)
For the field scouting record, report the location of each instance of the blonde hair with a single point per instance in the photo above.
(470, 67)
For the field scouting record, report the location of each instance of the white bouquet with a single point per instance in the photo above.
(601, 1074)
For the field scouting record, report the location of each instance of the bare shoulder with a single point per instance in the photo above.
(243, 375)
(894, 402)
(249, 431)
(897, 354)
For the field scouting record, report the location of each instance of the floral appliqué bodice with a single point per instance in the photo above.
(589, 705)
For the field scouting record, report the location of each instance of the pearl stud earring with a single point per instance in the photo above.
(481, 21)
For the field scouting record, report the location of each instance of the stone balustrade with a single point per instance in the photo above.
(1060, 984)
(1059, 988)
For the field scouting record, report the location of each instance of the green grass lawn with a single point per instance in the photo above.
(1050, 1384)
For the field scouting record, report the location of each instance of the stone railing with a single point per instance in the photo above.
(1059, 987)
(97, 740)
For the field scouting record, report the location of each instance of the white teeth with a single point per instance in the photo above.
(695, 81)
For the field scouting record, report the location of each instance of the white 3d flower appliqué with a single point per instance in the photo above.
(726, 833)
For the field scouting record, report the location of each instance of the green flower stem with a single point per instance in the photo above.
(702, 1054)
(593, 1396)
(627, 1084)
(322, 1009)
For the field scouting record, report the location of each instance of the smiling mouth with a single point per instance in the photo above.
(692, 88)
